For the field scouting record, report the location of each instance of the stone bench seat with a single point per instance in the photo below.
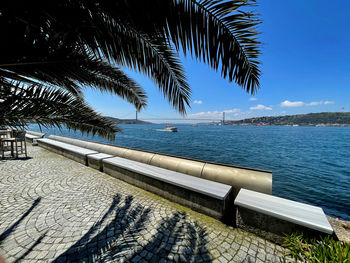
(73, 152)
(95, 160)
(259, 210)
(31, 135)
(202, 195)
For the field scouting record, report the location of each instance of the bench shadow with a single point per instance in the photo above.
(26, 253)
(13, 227)
(10, 158)
(115, 237)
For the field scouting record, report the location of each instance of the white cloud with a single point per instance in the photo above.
(216, 114)
(260, 107)
(232, 111)
(231, 114)
(198, 102)
(206, 114)
(314, 103)
(252, 99)
(288, 103)
(283, 112)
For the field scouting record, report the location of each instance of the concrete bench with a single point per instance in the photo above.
(95, 160)
(261, 212)
(75, 153)
(31, 135)
(202, 195)
(237, 177)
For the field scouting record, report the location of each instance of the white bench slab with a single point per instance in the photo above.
(95, 160)
(73, 152)
(304, 215)
(205, 196)
(31, 135)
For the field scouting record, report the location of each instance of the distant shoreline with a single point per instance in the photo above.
(322, 119)
(276, 125)
(127, 121)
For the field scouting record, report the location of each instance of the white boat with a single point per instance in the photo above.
(170, 128)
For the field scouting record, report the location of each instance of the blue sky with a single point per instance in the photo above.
(305, 68)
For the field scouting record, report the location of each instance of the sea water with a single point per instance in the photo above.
(308, 164)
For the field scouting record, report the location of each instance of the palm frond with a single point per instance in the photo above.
(113, 80)
(154, 57)
(77, 72)
(121, 42)
(21, 105)
(219, 32)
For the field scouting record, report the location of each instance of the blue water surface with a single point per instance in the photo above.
(309, 164)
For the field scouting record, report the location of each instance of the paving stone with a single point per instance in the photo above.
(149, 255)
(270, 258)
(136, 259)
(215, 253)
(261, 256)
(244, 249)
(222, 260)
(258, 260)
(240, 254)
(143, 253)
(227, 256)
(67, 211)
(252, 252)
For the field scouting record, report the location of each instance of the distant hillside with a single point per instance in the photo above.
(127, 121)
(311, 119)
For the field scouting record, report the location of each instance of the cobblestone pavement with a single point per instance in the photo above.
(55, 209)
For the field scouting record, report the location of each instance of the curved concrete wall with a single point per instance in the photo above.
(260, 181)
(177, 164)
(237, 177)
(139, 156)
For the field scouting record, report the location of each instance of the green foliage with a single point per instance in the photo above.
(325, 250)
(329, 118)
(294, 243)
(329, 250)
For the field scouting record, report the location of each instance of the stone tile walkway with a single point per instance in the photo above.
(54, 209)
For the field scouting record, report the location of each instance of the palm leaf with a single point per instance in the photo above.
(122, 42)
(84, 29)
(21, 105)
(219, 32)
(77, 72)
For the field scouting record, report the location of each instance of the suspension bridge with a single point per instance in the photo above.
(150, 117)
